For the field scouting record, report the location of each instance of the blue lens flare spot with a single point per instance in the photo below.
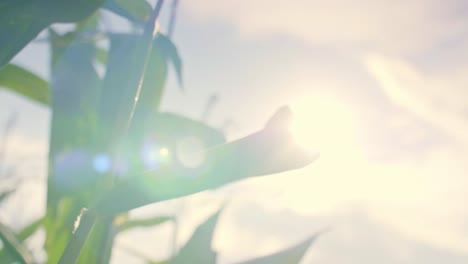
(102, 163)
(154, 155)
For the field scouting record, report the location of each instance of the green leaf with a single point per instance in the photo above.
(101, 55)
(198, 249)
(171, 54)
(25, 83)
(5, 194)
(134, 10)
(25, 233)
(97, 249)
(30, 229)
(14, 246)
(74, 246)
(21, 21)
(75, 90)
(292, 255)
(170, 128)
(268, 151)
(138, 223)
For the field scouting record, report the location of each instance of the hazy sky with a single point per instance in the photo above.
(379, 85)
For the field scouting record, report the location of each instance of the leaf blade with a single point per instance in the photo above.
(291, 255)
(133, 10)
(25, 83)
(198, 248)
(14, 246)
(147, 222)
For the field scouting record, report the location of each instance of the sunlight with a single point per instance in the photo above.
(327, 125)
(322, 124)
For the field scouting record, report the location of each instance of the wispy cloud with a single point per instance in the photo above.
(440, 100)
(383, 25)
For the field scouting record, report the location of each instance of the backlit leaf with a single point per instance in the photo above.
(25, 83)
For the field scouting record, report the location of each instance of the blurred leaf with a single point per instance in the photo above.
(97, 248)
(170, 53)
(101, 55)
(25, 83)
(119, 86)
(152, 88)
(21, 21)
(90, 23)
(75, 89)
(268, 151)
(198, 249)
(148, 222)
(30, 229)
(25, 233)
(134, 10)
(169, 128)
(74, 246)
(14, 246)
(5, 194)
(292, 255)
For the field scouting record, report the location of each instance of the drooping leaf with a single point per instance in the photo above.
(25, 83)
(5, 194)
(292, 255)
(30, 229)
(134, 10)
(268, 151)
(171, 54)
(22, 235)
(13, 245)
(198, 249)
(21, 20)
(139, 223)
(121, 81)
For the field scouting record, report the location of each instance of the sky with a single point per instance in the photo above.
(379, 87)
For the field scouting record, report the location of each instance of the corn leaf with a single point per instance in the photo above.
(25, 83)
(292, 255)
(270, 150)
(139, 223)
(13, 245)
(134, 10)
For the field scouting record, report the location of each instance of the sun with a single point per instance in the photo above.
(323, 124)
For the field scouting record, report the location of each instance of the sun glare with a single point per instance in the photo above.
(323, 124)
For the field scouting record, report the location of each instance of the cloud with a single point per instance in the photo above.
(383, 25)
(436, 98)
(355, 236)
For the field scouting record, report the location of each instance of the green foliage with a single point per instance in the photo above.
(115, 115)
(13, 245)
(5, 194)
(141, 223)
(21, 20)
(198, 249)
(134, 10)
(25, 83)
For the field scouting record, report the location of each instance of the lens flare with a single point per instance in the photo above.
(102, 163)
(153, 155)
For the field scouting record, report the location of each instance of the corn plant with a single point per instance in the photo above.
(110, 144)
